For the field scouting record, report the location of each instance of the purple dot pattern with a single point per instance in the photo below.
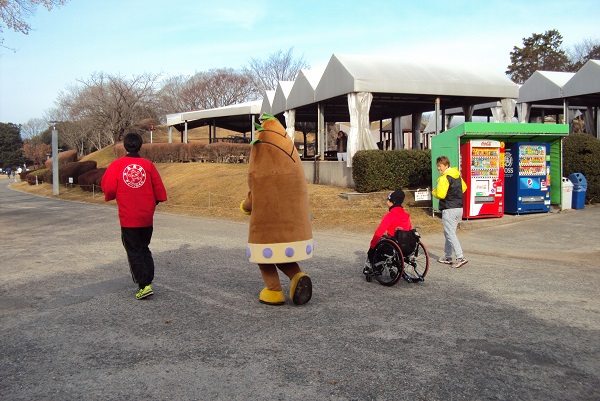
(309, 249)
(289, 252)
(267, 253)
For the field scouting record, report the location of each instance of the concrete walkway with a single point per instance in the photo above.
(521, 321)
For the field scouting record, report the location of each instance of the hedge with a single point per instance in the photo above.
(376, 170)
(73, 169)
(219, 152)
(31, 175)
(91, 181)
(581, 154)
(65, 157)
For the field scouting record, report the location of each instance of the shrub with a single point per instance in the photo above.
(30, 177)
(74, 170)
(197, 152)
(65, 157)
(223, 152)
(581, 154)
(219, 152)
(91, 181)
(376, 170)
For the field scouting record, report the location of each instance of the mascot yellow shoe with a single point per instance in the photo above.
(300, 288)
(271, 297)
(280, 232)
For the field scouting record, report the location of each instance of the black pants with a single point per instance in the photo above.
(136, 242)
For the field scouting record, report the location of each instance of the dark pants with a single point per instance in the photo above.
(141, 264)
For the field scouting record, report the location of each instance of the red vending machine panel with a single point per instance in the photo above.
(482, 168)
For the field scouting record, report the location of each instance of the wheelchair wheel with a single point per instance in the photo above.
(416, 265)
(387, 262)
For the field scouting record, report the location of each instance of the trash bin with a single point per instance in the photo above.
(579, 190)
(566, 194)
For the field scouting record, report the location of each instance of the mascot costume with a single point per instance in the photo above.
(280, 232)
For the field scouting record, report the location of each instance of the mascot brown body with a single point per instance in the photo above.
(280, 232)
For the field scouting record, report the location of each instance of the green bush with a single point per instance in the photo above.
(581, 154)
(376, 170)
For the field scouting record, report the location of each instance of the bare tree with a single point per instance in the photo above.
(279, 66)
(581, 53)
(33, 127)
(169, 97)
(219, 87)
(105, 106)
(15, 13)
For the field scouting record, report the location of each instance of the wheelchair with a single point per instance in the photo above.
(401, 256)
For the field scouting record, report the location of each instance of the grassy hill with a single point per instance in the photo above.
(216, 190)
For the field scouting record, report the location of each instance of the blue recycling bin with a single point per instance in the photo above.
(579, 190)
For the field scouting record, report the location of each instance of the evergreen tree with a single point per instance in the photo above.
(11, 143)
(539, 52)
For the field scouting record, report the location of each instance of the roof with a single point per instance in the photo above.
(584, 87)
(544, 86)
(400, 86)
(281, 94)
(359, 73)
(233, 117)
(267, 103)
(303, 90)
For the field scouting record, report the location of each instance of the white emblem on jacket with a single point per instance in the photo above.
(134, 175)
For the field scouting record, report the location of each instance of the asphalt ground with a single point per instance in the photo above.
(521, 321)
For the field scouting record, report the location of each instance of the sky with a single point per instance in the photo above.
(181, 37)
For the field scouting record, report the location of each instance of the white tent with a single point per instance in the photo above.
(382, 87)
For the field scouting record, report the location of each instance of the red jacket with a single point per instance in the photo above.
(395, 218)
(136, 185)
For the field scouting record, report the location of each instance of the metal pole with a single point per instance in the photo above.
(54, 161)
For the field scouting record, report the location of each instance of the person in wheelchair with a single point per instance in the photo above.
(396, 218)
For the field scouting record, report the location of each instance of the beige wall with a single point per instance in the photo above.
(333, 173)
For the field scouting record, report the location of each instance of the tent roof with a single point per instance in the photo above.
(584, 88)
(303, 90)
(400, 86)
(281, 95)
(267, 103)
(356, 73)
(544, 86)
(233, 117)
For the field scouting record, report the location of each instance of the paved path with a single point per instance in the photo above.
(521, 321)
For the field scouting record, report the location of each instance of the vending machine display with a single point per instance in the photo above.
(482, 163)
(527, 176)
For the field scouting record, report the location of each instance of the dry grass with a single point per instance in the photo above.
(216, 190)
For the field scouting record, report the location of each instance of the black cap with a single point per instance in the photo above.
(396, 197)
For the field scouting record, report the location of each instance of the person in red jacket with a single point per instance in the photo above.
(136, 185)
(396, 218)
